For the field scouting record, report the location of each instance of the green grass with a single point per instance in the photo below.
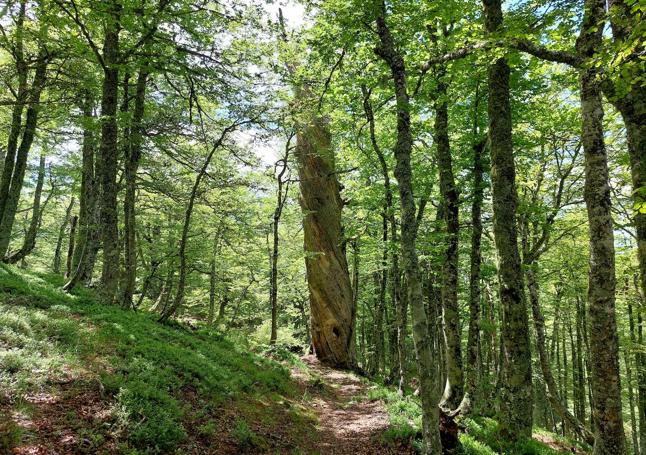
(146, 370)
(405, 415)
(480, 435)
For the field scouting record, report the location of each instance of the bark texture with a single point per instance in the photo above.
(88, 227)
(473, 339)
(332, 311)
(516, 398)
(628, 95)
(108, 156)
(71, 247)
(454, 386)
(604, 344)
(56, 266)
(428, 386)
(29, 242)
(133, 154)
(331, 305)
(13, 173)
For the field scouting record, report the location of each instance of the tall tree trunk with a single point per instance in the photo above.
(473, 340)
(516, 398)
(388, 219)
(428, 386)
(88, 234)
(133, 154)
(640, 364)
(332, 309)
(9, 199)
(273, 276)
(635, 340)
(628, 95)
(29, 241)
(604, 344)
(454, 387)
(108, 156)
(56, 266)
(22, 95)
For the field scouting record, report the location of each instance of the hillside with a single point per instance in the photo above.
(80, 377)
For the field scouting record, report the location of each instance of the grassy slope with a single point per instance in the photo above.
(85, 377)
(112, 380)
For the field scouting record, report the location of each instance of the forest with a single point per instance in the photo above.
(322, 227)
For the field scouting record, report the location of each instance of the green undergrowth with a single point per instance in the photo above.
(478, 435)
(163, 382)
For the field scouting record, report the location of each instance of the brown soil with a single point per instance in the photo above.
(328, 414)
(348, 423)
(62, 420)
(558, 445)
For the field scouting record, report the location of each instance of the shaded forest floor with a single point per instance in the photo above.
(80, 377)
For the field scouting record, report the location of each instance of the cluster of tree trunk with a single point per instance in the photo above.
(447, 383)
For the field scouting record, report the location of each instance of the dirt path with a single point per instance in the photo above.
(348, 423)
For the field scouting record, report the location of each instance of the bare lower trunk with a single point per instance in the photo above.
(70, 247)
(473, 340)
(87, 241)
(56, 267)
(133, 153)
(454, 387)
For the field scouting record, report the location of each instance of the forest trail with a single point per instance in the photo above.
(348, 422)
